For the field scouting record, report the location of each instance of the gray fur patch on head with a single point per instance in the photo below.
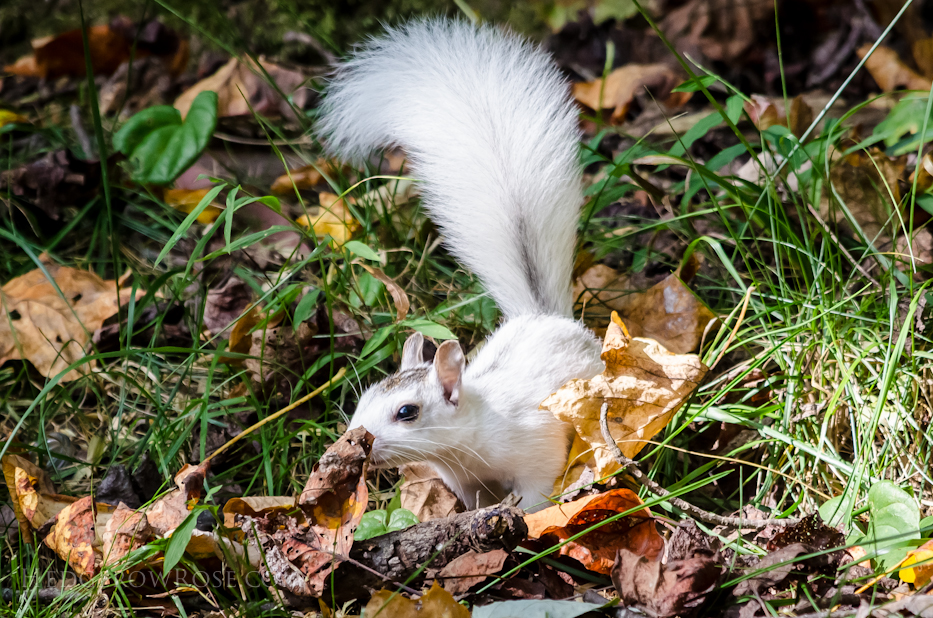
(405, 378)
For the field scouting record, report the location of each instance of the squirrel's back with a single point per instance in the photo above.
(491, 131)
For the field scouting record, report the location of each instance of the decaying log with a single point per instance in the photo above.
(394, 557)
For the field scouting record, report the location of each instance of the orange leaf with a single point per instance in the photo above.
(73, 536)
(596, 550)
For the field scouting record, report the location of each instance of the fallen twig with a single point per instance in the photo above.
(711, 518)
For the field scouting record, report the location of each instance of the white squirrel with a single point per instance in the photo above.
(491, 132)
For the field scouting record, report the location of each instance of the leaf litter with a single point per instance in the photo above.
(665, 321)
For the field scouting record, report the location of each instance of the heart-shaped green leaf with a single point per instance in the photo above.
(160, 145)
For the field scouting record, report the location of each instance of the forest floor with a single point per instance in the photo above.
(187, 324)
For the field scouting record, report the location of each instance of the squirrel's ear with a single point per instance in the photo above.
(411, 352)
(449, 364)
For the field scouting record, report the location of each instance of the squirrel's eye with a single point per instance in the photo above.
(407, 413)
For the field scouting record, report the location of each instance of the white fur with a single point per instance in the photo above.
(488, 124)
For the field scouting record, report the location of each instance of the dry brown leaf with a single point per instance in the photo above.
(124, 531)
(238, 79)
(435, 603)
(800, 116)
(922, 50)
(333, 218)
(665, 590)
(471, 568)
(425, 494)
(890, 72)
(925, 173)
(73, 537)
(299, 553)
(762, 111)
(335, 496)
(667, 312)
(169, 511)
(596, 550)
(187, 200)
(49, 329)
(622, 84)
(643, 384)
(399, 297)
(919, 253)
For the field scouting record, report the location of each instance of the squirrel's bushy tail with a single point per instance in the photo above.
(490, 130)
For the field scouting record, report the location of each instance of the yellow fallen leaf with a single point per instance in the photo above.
(890, 72)
(49, 329)
(622, 84)
(921, 574)
(436, 603)
(32, 494)
(8, 117)
(332, 218)
(644, 384)
(187, 200)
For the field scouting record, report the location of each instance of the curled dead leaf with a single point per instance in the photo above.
(52, 329)
(668, 312)
(169, 511)
(300, 548)
(644, 384)
(32, 494)
(399, 297)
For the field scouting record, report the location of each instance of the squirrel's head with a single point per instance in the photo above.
(408, 411)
